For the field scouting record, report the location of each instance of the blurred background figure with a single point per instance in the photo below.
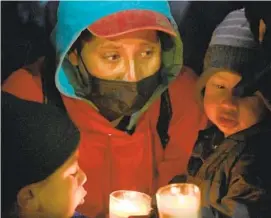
(26, 27)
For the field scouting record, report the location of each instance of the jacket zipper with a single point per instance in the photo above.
(108, 168)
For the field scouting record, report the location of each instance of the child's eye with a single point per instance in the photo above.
(219, 86)
(74, 173)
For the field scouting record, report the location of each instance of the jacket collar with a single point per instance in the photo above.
(214, 134)
(262, 126)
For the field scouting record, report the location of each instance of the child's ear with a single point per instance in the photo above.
(27, 199)
(73, 57)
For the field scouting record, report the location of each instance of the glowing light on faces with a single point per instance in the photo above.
(130, 57)
(229, 113)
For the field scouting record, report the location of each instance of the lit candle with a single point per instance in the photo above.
(129, 203)
(178, 201)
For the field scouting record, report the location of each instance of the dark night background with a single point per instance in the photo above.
(26, 27)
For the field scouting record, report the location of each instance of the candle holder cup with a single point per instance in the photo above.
(124, 203)
(178, 201)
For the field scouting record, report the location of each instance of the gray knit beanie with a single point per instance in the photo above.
(234, 48)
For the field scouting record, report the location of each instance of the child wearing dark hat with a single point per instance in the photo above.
(40, 173)
(230, 159)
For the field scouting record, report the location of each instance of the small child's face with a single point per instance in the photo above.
(60, 194)
(230, 114)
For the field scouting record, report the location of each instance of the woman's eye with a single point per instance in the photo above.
(111, 57)
(147, 53)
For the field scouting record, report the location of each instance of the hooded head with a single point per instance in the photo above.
(232, 55)
(117, 55)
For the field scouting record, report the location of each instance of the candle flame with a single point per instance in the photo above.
(130, 203)
(174, 190)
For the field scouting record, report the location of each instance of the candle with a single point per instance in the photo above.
(128, 203)
(178, 201)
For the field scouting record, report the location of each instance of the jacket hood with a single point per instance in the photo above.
(73, 17)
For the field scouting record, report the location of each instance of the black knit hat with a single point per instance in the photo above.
(36, 140)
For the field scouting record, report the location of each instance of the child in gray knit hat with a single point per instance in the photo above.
(40, 173)
(230, 158)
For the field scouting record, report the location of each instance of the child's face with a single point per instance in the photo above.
(230, 114)
(60, 194)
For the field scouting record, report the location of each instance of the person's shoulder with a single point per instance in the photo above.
(256, 153)
(252, 162)
(24, 84)
(258, 143)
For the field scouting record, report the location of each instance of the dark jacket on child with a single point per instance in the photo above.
(232, 172)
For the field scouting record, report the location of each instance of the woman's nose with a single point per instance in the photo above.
(131, 75)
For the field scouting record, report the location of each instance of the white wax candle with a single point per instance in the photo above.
(179, 206)
(131, 203)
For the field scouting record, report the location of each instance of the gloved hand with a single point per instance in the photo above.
(259, 17)
(260, 81)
